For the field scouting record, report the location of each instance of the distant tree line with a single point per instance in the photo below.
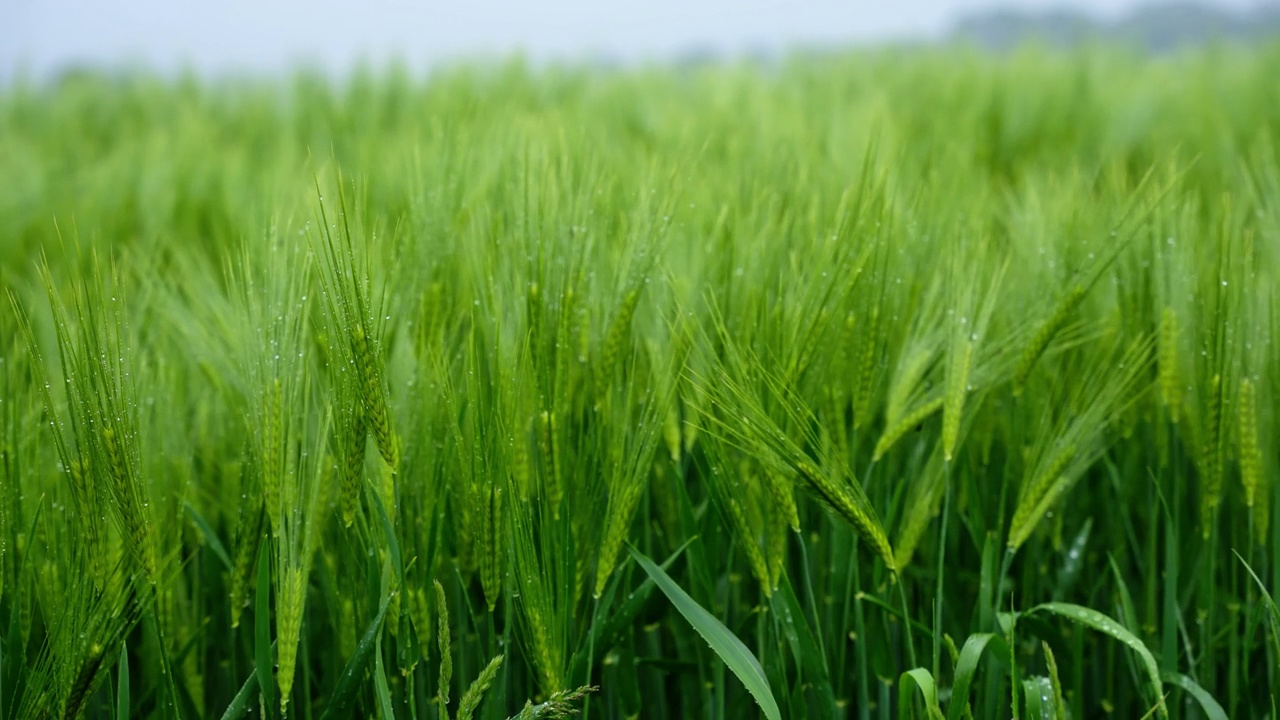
(1158, 28)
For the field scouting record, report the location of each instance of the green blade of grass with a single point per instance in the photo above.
(1266, 594)
(242, 703)
(122, 683)
(967, 668)
(353, 674)
(804, 647)
(723, 642)
(210, 537)
(603, 636)
(1038, 694)
(1127, 611)
(381, 691)
(917, 626)
(1274, 615)
(922, 680)
(1211, 708)
(1104, 624)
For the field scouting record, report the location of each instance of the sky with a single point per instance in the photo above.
(267, 36)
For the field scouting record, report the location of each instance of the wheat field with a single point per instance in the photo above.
(913, 383)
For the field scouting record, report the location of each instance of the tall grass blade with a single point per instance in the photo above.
(724, 643)
(921, 680)
(966, 670)
(381, 690)
(123, 700)
(1038, 692)
(607, 632)
(242, 703)
(804, 647)
(1210, 707)
(210, 537)
(1102, 623)
(344, 696)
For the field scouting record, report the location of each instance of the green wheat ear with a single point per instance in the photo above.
(351, 450)
(443, 638)
(1045, 333)
(373, 397)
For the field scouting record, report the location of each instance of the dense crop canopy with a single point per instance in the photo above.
(923, 381)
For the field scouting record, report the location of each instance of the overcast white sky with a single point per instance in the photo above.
(269, 35)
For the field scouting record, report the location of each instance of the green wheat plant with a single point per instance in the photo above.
(911, 382)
